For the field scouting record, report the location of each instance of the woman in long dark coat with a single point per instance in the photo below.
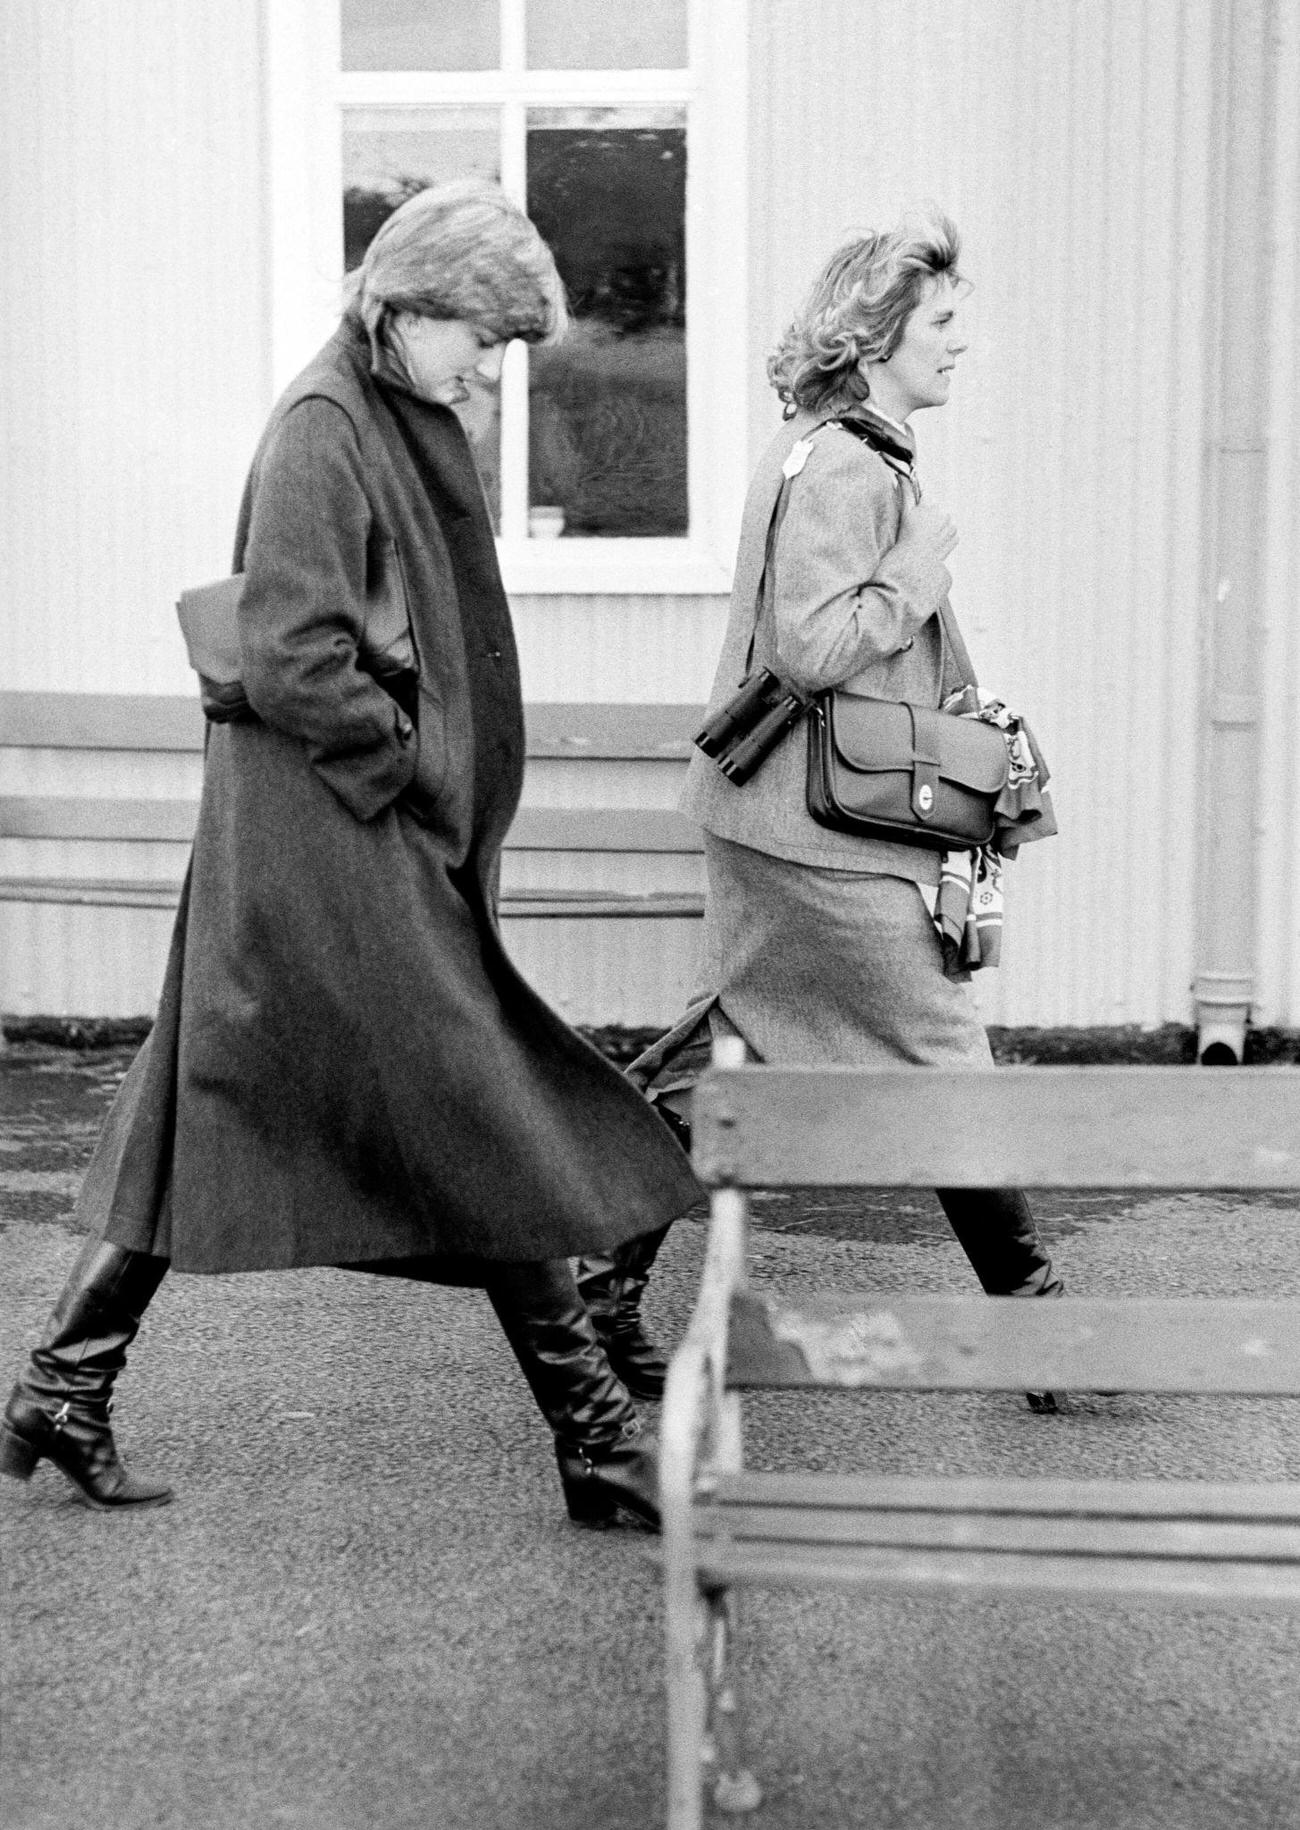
(345, 1068)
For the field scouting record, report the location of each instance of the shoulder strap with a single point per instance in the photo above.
(794, 463)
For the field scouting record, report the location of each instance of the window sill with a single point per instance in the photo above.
(641, 568)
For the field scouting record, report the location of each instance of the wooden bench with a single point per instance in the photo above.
(726, 1526)
(143, 723)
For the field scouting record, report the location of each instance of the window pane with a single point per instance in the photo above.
(613, 35)
(389, 153)
(608, 406)
(421, 34)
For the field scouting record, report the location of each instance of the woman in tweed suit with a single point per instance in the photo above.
(819, 946)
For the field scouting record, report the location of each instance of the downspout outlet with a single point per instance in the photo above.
(1222, 1014)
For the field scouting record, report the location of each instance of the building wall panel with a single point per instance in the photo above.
(134, 344)
(134, 376)
(648, 649)
(1069, 144)
(644, 649)
(638, 973)
(1070, 141)
(66, 961)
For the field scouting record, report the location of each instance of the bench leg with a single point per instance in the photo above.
(735, 1789)
(687, 1704)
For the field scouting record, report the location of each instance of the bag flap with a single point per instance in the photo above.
(209, 622)
(875, 735)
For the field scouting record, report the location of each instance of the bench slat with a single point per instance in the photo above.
(549, 905)
(1232, 1540)
(554, 905)
(58, 816)
(1222, 1500)
(1027, 1127)
(603, 829)
(634, 733)
(101, 721)
(93, 892)
(577, 829)
(170, 721)
(959, 1343)
(1168, 1580)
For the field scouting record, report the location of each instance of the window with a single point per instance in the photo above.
(616, 460)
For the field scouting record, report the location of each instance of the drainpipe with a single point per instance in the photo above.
(1233, 625)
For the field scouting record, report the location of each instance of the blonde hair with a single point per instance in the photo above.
(858, 306)
(459, 250)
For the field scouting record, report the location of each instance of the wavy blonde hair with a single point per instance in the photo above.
(460, 250)
(858, 306)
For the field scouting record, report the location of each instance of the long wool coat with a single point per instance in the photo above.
(345, 1065)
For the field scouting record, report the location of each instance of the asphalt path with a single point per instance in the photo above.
(367, 1611)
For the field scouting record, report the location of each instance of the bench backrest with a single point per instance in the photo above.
(1069, 1127)
(170, 721)
(159, 820)
(582, 732)
(1025, 1127)
(991, 1343)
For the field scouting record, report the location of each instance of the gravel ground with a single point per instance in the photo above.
(366, 1610)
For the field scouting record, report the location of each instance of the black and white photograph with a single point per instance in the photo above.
(649, 762)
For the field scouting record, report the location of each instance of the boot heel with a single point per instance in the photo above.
(618, 1489)
(593, 1511)
(17, 1457)
(587, 1500)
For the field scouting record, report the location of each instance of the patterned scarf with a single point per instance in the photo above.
(968, 907)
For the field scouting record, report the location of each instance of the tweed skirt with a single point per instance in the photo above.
(815, 966)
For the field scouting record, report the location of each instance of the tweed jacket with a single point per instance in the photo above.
(834, 600)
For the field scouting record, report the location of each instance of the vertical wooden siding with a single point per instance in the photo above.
(1067, 140)
(134, 375)
(645, 648)
(135, 333)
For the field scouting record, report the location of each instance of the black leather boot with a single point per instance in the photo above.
(60, 1407)
(607, 1466)
(612, 1289)
(995, 1228)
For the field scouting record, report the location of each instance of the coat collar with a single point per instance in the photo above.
(371, 360)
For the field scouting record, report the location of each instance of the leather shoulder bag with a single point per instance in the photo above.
(877, 768)
(209, 619)
(887, 769)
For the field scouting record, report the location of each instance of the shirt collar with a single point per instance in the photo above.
(894, 438)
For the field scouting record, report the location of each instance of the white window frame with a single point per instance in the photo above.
(306, 92)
